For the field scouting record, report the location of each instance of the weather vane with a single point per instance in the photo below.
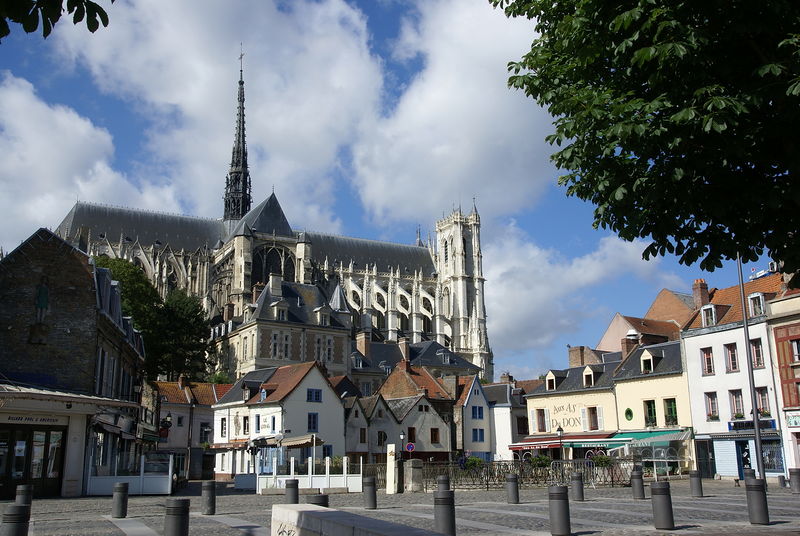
(241, 57)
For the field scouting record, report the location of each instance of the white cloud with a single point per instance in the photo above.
(310, 81)
(535, 295)
(51, 157)
(457, 131)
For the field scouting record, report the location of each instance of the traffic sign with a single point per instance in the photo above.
(410, 447)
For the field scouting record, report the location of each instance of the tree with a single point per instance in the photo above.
(175, 330)
(677, 119)
(28, 13)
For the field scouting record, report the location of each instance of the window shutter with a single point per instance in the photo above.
(584, 420)
(547, 420)
(600, 418)
(534, 425)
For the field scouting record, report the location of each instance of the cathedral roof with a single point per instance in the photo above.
(119, 223)
(267, 217)
(363, 253)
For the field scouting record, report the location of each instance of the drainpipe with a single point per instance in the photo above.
(188, 462)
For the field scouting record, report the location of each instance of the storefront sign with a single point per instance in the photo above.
(42, 420)
(793, 419)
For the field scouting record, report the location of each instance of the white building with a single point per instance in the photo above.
(508, 417)
(714, 349)
(472, 417)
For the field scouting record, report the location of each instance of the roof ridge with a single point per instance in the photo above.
(333, 235)
(147, 211)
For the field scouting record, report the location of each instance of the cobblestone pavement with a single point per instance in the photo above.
(606, 512)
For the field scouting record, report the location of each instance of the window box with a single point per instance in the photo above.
(765, 413)
(671, 421)
(737, 416)
(712, 417)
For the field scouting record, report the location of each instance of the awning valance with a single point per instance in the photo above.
(550, 441)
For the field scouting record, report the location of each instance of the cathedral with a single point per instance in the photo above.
(413, 293)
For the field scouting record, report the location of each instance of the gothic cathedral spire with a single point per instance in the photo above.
(237, 183)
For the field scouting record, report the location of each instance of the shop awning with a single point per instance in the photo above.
(308, 440)
(551, 441)
(651, 438)
(234, 445)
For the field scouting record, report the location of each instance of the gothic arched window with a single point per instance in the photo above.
(426, 324)
(446, 302)
(445, 251)
(404, 302)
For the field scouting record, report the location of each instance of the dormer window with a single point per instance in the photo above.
(588, 379)
(359, 362)
(263, 395)
(709, 315)
(324, 320)
(280, 315)
(756, 302)
(647, 364)
(551, 384)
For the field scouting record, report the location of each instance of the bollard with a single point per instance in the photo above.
(576, 482)
(696, 483)
(209, 498)
(24, 494)
(319, 500)
(16, 519)
(662, 506)
(512, 489)
(444, 512)
(292, 493)
(637, 485)
(370, 493)
(442, 483)
(748, 473)
(559, 511)
(781, 481)
(794, 481)
(119, 505)
(176, 518)
(757, 501)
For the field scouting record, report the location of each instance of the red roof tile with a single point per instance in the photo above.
(730, 302)
(283, 381)
(197, 393)
(463, 385)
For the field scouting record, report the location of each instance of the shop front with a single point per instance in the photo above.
(32, 452)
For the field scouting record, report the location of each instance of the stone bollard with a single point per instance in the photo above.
(292, 493)
(444, 512)
(794, 481)
(559, 510)
(442, 483)
(176, 517)
(119, 505)
(576, 487)
(696, 483)
(512, 489)
(319, 500)
(781, 481)
(662, 506)
(757, 501)
(16, 519)
(637, 485)
(370, 493)
(413, 476)
(24, 494)
(209, 492)
(748, 473)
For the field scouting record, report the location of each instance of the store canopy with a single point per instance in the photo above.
(308, 440)
(568, 440)
(651, 438)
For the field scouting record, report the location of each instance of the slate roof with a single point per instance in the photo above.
(421, 354)
(146, 227)
(572, 380)
(529, 385)
(365, 253)
(266, 217)
(344, 386)
(500, 394)
(668, 363)
(401, 406)
(463, 386)
(729, 301)
(301, 301)
(369, 403)
(252, 380)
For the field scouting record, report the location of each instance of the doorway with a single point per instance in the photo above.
(31, 455)
(742, 457)
(705, 458)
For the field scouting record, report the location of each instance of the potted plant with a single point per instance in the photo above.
(764, 413)
(738, 415)
(712, 417)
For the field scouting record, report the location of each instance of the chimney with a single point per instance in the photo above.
(506, 378)
(700, 293)
(258, 288)
(275, 281)
(450, 385)
(630, 342)
(228, 312)
(363, 338)
(402, 342)
(582, 355)
(182, 381)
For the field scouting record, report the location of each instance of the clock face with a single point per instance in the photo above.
(629, 414)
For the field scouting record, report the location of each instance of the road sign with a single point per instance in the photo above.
(410, 447)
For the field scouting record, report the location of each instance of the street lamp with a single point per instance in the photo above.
(402, 443)
(401, 470)
(560, 432)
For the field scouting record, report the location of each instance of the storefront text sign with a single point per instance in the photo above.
(793, 419)
(44, 420)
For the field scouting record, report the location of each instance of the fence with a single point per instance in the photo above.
(492, 475)
(326, 475)
(378, 470)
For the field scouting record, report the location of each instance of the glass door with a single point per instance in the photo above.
(6, 491)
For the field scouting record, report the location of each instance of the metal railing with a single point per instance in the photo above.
(378, 470)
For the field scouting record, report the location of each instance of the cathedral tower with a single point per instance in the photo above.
(237, 183)
(459, 264)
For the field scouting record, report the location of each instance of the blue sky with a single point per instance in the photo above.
(368, 118)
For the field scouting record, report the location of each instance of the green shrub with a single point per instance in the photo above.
(603, 461)
(541, 461)
(473, 462)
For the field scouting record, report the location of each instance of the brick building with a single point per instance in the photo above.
(70, 372)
